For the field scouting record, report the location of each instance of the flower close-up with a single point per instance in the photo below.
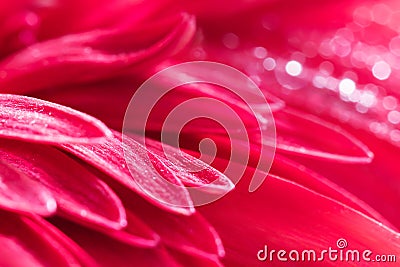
(203, 133)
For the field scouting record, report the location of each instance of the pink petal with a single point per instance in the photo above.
(296, 135)
(195, 260)
(284, 215)
(77, 191)
(36, 120)
(111, 108)
(377, 183)
(225, 146)
(24, 243)
(190, 170)
(91, 56)
(96, 14)
(137, 233)
(238, 110)
(57, 236)
(191, 235)
(19, 193)
(110, 252)
(106, 106)
(304, 176)
(109, 158)
(295, 172)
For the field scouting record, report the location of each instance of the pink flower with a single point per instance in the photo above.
(71, 194)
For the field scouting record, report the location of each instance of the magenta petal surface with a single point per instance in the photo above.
(103, 249)
(80, 195)
(109, 158)
(136, 233)
(19, 193)
(191, 235)
(91, 56)
(284, 215)
(306, 135)
(295, 172)
(36, 120)
(376, 183)
(56, 236)
(190, 170)
(24, 243)
(195, 260)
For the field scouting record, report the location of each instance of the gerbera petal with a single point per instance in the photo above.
(107, 106)
(111, 107)
(55, 235)
(24, 243)
(376, 183)
(296, 135)
(190, 170)
(27, 118)
(274, 216)
(109, 158)
(22, 194)
(77, 191)
(189, 234)
(197, 95)
(304, 176)
(103, 248)
(195, 260)
(88, 57)
(136, 233)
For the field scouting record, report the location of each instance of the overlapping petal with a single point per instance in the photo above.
(190, 170)
(91, 56)
(181, 233)
(19, 193)
(110, 158)
(77, 192)
(34, 242)
(296, 135)
(110, 252)
(31, 119)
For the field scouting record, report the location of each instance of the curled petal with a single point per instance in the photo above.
(109, 158)
(88, 56)
(77, 191)
(27, 118)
